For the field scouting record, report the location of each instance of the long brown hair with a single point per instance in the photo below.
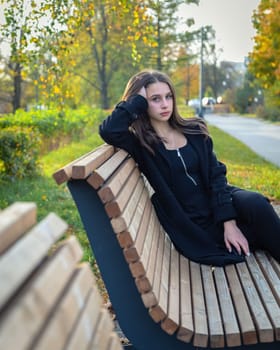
(142, 127)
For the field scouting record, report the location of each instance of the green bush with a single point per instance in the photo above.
(52, 123)
(271, 113)
(19, 151)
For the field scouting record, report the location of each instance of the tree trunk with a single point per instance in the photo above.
(17, 87)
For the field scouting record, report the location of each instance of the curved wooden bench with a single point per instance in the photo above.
(48, 300)
(163, 300)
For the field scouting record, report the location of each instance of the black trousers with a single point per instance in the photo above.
(258, 221)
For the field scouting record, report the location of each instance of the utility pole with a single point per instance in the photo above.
(201, 113)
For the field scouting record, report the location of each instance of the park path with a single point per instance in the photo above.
(261, 136)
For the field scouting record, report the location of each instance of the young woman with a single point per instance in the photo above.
(208, 220)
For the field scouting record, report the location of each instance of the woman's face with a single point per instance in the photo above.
(160, 102)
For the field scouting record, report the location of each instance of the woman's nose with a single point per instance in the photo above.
(164, 102)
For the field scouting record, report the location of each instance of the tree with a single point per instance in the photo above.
(165, 21)
(27, 26)
(109, 33)
(264, 61)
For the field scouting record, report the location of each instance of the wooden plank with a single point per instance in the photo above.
(15, 221)
(65, 173)
(122, 222)
(246, 324)
(115, 184)
(150, 269)
(140, 239)
(115, 343)
(27, 253)
(150, 299)
(186, 329)
(230, 322)
(65, 314)
(270, 304)
(81, 336)
(116, 206)
(200, 316)
(143, 285)
(84, 166)
(275, 264)
(171, 322)
(27, 313)
(263, 324)
(216, 336)
(101, 174)
(164, 280)
(141, 234)
(93, 327)
(101, 339)
(271, 275)
(131, 253)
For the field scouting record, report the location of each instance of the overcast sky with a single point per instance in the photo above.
(232, 21)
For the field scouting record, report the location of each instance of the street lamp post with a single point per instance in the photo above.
(201, 114)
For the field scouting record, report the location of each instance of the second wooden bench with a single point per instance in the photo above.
(48, 299)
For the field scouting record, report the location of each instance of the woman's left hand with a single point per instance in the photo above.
(234, 237)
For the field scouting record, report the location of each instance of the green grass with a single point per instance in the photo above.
(50, 197)
(245, 169)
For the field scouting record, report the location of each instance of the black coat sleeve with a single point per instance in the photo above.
(115, 128)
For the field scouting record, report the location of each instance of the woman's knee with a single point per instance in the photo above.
(248, 200)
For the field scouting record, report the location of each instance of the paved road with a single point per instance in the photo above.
(262, 137)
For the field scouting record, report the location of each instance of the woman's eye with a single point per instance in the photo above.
(169, 97)
(156, 99)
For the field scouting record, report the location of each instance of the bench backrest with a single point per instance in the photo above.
(209, 306)
(48, 299)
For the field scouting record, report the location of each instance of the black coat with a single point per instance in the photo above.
(191, 240)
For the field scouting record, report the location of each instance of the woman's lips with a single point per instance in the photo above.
(165, 114)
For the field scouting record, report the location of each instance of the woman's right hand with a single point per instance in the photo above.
(142, 92)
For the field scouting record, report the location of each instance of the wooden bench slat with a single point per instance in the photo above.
(275, 264)
(259, 315)
(150, 269)
(101, 340)
(270, 304)
(199, 308)
(142, 283)
(230, 322)
(15, 221)
(216, 333)
(61, 322)
(94, 327)
(186, 329)
(36, 243)
(171, 323)
(113, 186)
(114, 342)
(115, 207)
(247, 327)
(65, 173)
(151, 299)
(32, 306)
(81, 335)
(121, 223)
(126, 238)
(271, 275)
(164, 279)
(82, 168)
(102, 173)
(140, 238)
